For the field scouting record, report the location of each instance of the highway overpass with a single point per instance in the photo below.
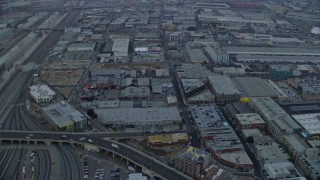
(147, 163)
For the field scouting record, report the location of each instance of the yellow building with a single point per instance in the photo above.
(168, 139)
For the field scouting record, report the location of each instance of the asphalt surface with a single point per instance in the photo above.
(195, 140)
(132, 154)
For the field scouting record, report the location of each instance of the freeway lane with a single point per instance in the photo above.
(132, 154)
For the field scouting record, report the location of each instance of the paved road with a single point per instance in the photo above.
(195, 141)
(132, 154)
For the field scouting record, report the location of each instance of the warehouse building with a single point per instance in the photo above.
(196, 55)
(280, 72)
(131, 92)
(217, 54)
(250, 121)
(277, 58)
(64, 117)
(42, 93)
(192, 86)
(274, 51)
(120, 49)
(224, 89)
(219, 138)
(256, 87)
(311, 123)
(192, 71)
(144, 119)
(277, 120)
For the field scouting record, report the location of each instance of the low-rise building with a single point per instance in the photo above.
(168, 139)
(144, 119)
(219, 138)
(192, 162)
(280, 72)
(42, 93)
(130, 92)
(250, 121)
(224, 89)
(192, 71)
(64, 117)
(311, 123)
(192, 86)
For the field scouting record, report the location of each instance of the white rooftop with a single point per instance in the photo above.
(310, 122)
(41, 91)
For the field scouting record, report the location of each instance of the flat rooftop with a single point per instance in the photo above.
(239, 157)
(274, 113)
(223, 85)
(255, 87)
(273, 51)
(310, 122)
(249, 118)
(138, 115)
(63, 114)
(276, 58)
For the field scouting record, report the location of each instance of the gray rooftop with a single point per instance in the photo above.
(274, 113)
(273, 51)
(63, 114)
(255, 87)
(139, 115)
(187, 70)
(223, 85)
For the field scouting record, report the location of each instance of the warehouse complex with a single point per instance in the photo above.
(65, 117)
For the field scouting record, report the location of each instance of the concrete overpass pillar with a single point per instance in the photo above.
(48, 143)
(113, 155)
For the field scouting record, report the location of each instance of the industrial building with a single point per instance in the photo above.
(192, 162)
(120, 49)
(219, 138)
(280, 72)
(81, 47)
(217, 54)
(277, 58)
(250, 121)
(141, 118)
(142, 92)
(311, 123)
(277, 120)
(267, 151)
(192, 86)
(274, 51)
(192, 71)
(64, 117)
(256, 87)
(281, 126)
(282, 170)
(196, 55)
(224, 89)
(42, 93)
(204, 97)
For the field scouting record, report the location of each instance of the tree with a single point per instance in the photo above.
(98, 58)
(191, 28)
(92, 114)
(250, 139)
